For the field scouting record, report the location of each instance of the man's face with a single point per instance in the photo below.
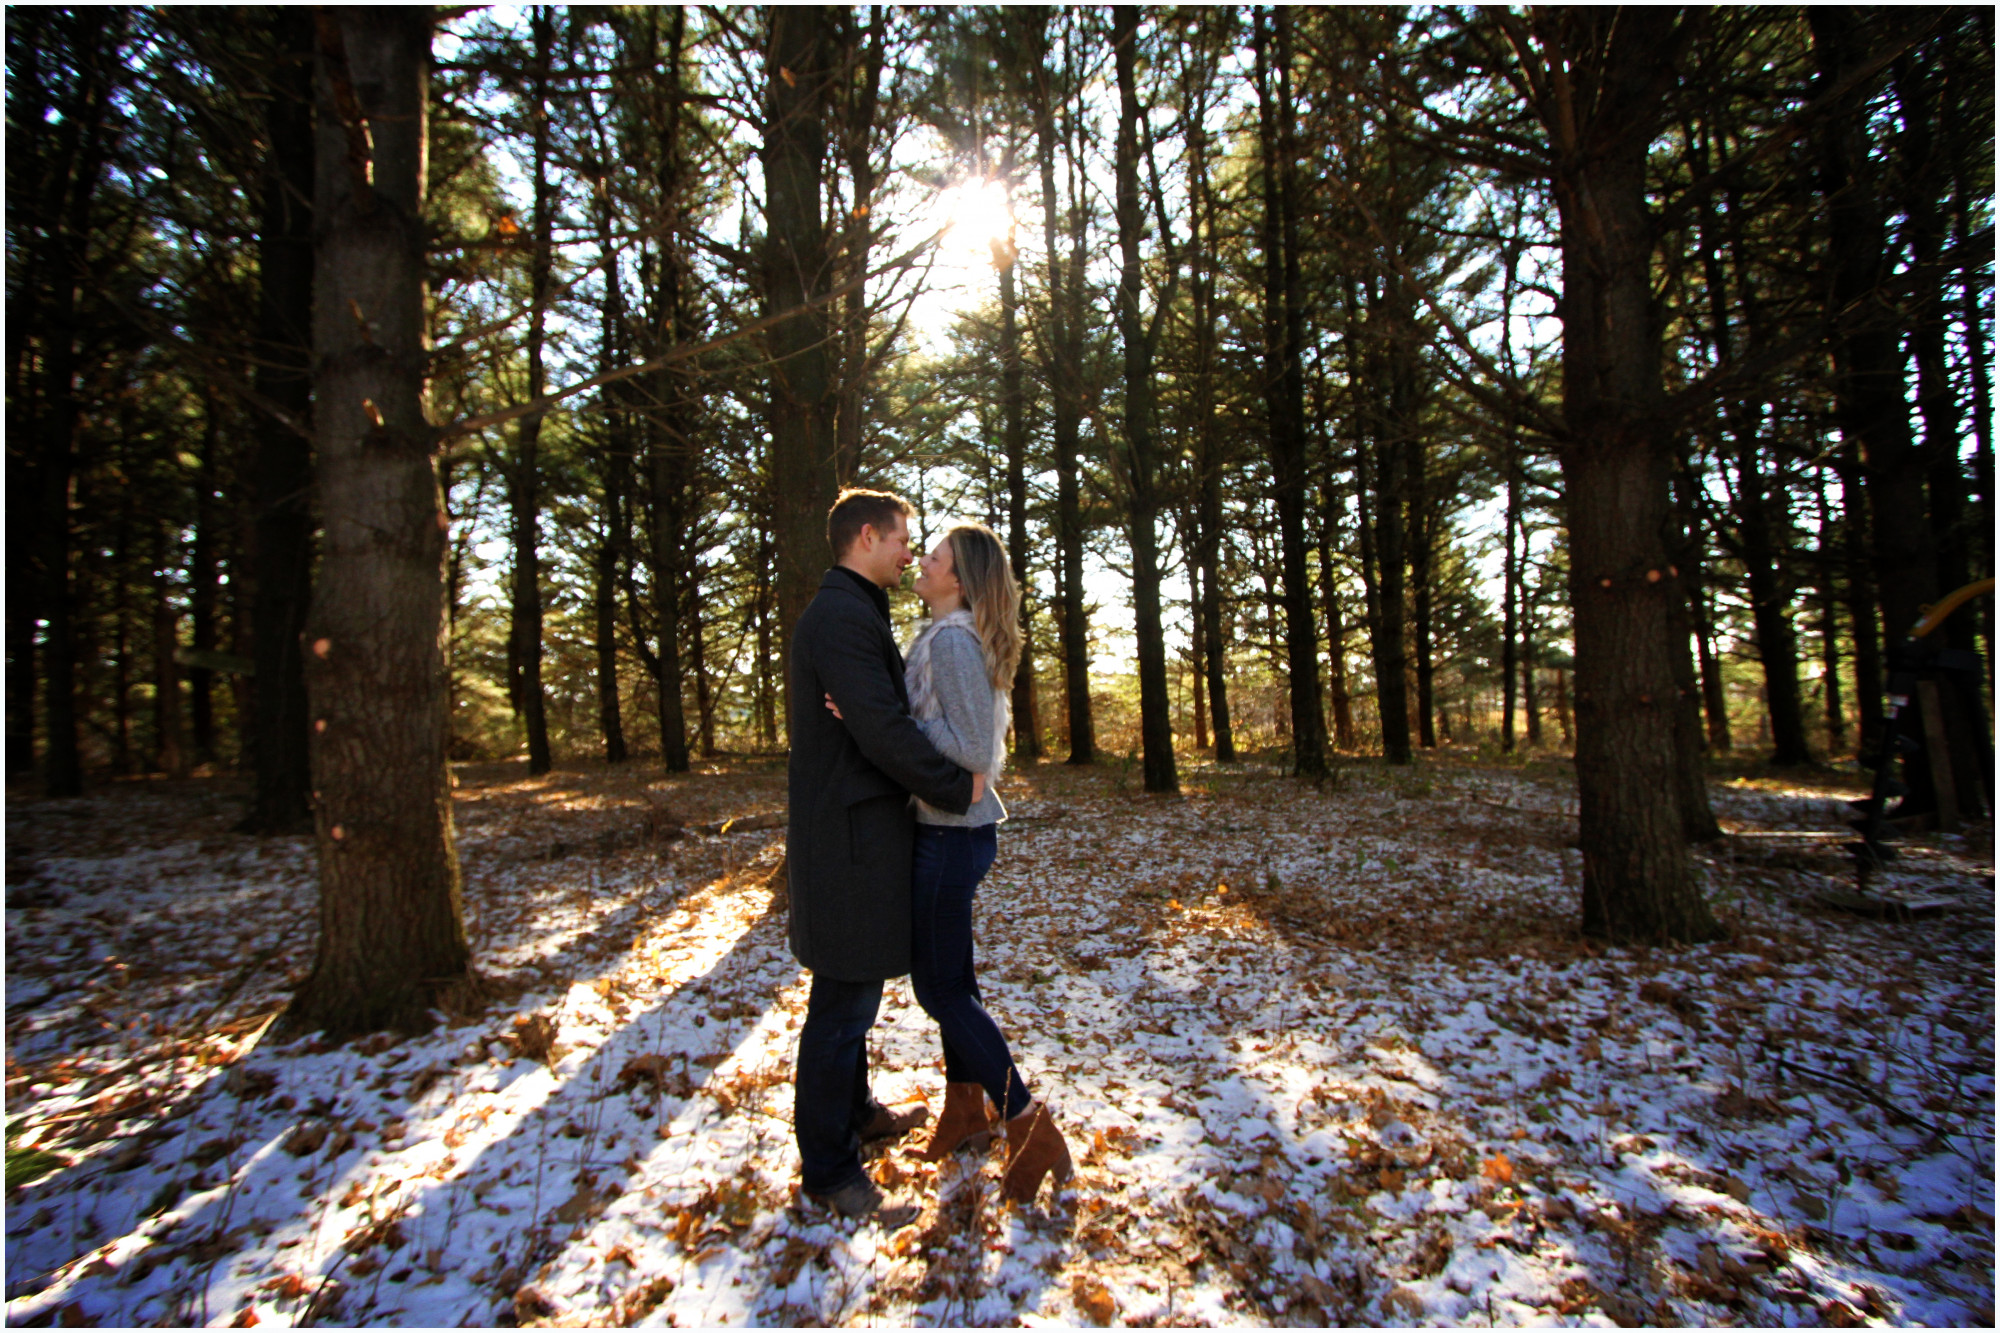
(884, 552)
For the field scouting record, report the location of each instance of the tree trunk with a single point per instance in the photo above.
(1760, 515)
(1770, 598)
(797, 64)
(524, 639)
(1861, 602)
(762, 594)
(1423, 539)
(860, 81)
(1392, 661)
(1156, 727)
(121, 654)
(1923, 177)
(281, 525)
(1284, 387)
(1638, 884)
(704, 689)
(1531, 712)
(604, 604)
(392, 942)
(1691, 767)
(203, 593)
(1510, 596)
(1014, 407)
(1714, 698)
(1867, 353)
(28, 137)
(169, 736)
(1064, 371)
(1205, 576)
(1829, 629)
(64, 258)
(1336, 628)
(614, 544)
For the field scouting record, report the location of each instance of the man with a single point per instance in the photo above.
(849, 839)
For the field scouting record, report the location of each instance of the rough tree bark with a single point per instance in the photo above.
(1601, 102)
(392, 939)
(800, 46)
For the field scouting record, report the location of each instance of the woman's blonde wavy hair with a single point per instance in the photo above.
(991, 594)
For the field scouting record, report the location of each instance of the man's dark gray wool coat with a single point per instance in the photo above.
(850, 833)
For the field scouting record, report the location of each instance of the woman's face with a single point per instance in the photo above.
(937, 581)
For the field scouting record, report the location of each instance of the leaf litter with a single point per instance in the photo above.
(1328, 1056)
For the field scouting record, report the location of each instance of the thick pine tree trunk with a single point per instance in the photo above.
(281, 526)
(1156, 729)
(800, 46)
(392, 941)
(1638, 883)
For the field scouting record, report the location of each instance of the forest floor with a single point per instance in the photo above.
(1329, 1056)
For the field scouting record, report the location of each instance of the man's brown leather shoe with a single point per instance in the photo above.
(861, 1199)
(893, 1123)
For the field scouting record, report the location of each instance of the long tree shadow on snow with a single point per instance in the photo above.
(243, 1134)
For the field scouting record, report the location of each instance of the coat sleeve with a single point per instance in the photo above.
(964, 734)
(857, 676)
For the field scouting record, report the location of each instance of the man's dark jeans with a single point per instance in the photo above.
(831, 1101)
(949, 863)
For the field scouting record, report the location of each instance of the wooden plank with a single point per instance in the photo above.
(1938, 751)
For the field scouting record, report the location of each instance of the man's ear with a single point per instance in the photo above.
(865, 539)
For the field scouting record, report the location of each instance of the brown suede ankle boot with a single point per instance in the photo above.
(1035, 1147)
(962, 1124)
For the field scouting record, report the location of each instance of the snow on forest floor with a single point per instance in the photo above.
(1324, 1057)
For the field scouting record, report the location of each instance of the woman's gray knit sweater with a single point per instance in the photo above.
(963, 732)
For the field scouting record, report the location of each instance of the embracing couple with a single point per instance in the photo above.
(891, 828)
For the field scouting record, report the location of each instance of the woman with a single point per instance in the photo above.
(959, 671)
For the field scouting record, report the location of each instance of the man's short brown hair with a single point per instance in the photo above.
(857, 509)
